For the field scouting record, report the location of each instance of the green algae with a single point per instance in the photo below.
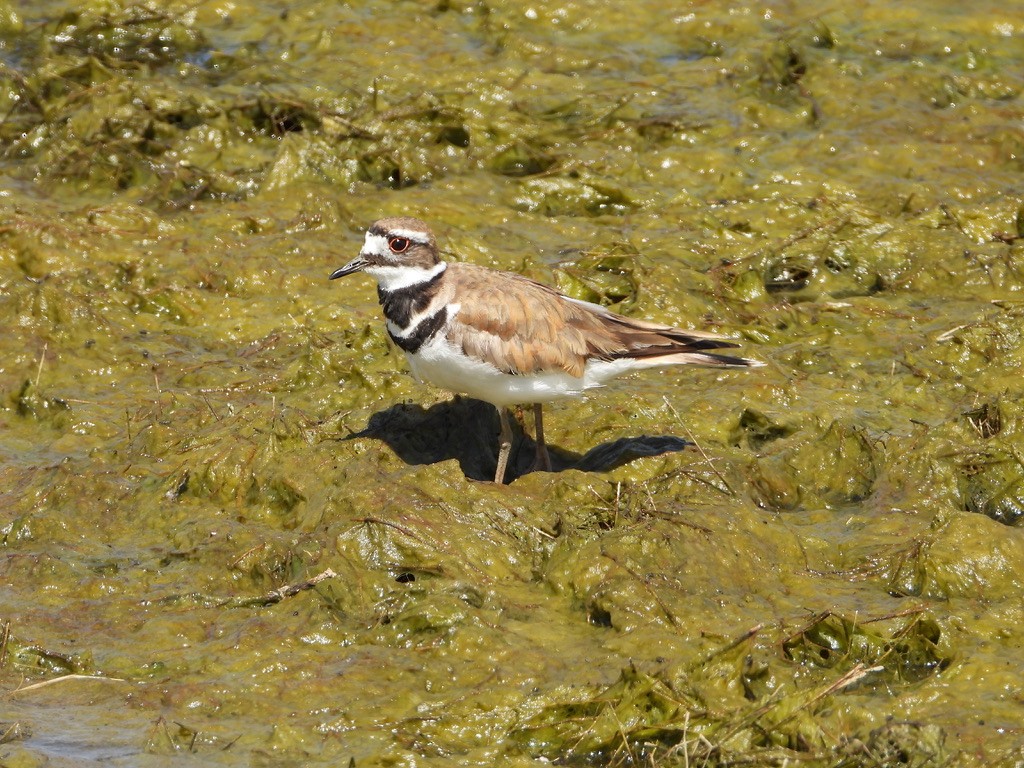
(817, 562)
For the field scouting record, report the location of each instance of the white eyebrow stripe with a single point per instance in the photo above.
(409, 234)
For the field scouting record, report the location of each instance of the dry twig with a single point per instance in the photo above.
(277, 595)
(63, 679)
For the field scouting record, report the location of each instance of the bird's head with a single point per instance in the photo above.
(396, 251)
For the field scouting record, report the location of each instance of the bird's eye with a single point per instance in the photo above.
(398, 244)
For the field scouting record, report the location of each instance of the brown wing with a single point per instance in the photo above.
(522, 326)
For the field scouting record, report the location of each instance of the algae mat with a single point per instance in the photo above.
(233, 529)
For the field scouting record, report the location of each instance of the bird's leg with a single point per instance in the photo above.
(504, 445)
(542, 461)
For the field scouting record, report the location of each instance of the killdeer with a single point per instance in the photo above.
(505, 339)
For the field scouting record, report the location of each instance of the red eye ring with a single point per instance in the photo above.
(398, 244)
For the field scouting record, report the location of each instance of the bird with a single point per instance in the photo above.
(505, 339)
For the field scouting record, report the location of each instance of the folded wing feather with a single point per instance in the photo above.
(522, 327)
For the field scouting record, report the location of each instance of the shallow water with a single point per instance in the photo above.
(193, 417)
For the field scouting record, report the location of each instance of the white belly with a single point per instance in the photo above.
(439, 363)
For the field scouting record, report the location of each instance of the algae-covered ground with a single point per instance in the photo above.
(234, 530)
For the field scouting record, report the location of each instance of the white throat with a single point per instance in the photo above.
(394, 278)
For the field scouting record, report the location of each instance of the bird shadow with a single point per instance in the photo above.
(467, 430)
